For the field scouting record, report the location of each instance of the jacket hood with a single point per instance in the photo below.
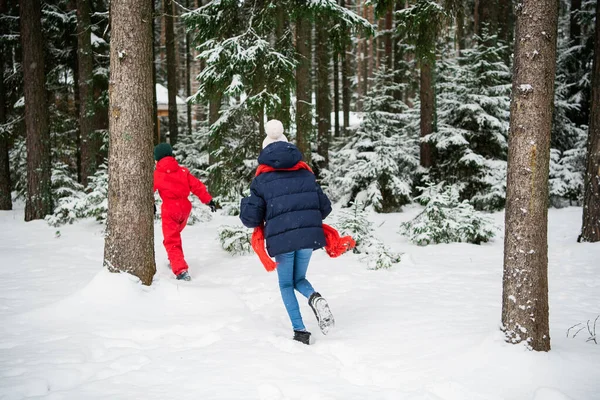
(167, 165)
(280, 155)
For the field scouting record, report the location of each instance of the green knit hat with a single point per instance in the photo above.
(163, 150)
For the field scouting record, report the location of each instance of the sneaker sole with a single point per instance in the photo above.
(324, 315)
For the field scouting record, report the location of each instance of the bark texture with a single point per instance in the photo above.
(427, 98)
(323, 94)
(89, 144)
(129, 242)
(590, 230)
(525, 280)
(39, 197)
(171, 44)
(303, 82)
(5, 199)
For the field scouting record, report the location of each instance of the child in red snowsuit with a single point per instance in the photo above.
(174, 184)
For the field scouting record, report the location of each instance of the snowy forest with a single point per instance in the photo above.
(464, 132)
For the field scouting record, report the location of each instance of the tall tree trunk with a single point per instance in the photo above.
(460, 30)
(336, 93)
(487, 16)
(398, 57)
(188, 75)
(574, 23)
(39, 196)
(171, 69)
(525, 281)
(379, 43)
(323, 93)
(590, 230)
(282, 112)
(155, 122)
(303, 82)
(346, 94)
(129, 242)
(371, 51)
(505, 25)
(427, 98)
(89, 143)
(388, 42)
(5, 185)
(213, 116)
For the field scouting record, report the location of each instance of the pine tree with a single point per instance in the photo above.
(171, 42)
(473, 114)
(5, 184)
(420, 24)
(447, 219)
(304, 129)
(39, 195)
(590, 230)
(374, 253)
(378, 162)
(85, 59)
(129, 247)
(525, 280)
(243, 62)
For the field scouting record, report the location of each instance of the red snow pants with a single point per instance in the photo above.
(174, 215)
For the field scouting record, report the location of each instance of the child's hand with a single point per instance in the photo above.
(213, 206)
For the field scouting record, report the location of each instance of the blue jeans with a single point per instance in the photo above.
(291, 270)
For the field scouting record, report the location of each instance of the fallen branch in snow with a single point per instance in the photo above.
(590, 328)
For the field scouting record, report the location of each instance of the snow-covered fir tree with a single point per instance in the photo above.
(567, 156)
(470, 144)
(235, 239)
(447, 219)
(377, 164)
(353, 221)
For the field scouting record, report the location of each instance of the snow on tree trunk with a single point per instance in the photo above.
(590, 231)
(39, 196)
(171, 69)
(5, 199)
(129, 242)
(427, 97)
(303, 84)
(323, 93)
(525, 280)
(89, 144)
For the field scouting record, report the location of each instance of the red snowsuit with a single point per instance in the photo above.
(174, 184)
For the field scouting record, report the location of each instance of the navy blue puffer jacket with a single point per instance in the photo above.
(290, 203)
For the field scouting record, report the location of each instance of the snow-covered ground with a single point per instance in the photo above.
(427, 329)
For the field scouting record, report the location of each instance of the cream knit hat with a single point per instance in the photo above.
(274, 131)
